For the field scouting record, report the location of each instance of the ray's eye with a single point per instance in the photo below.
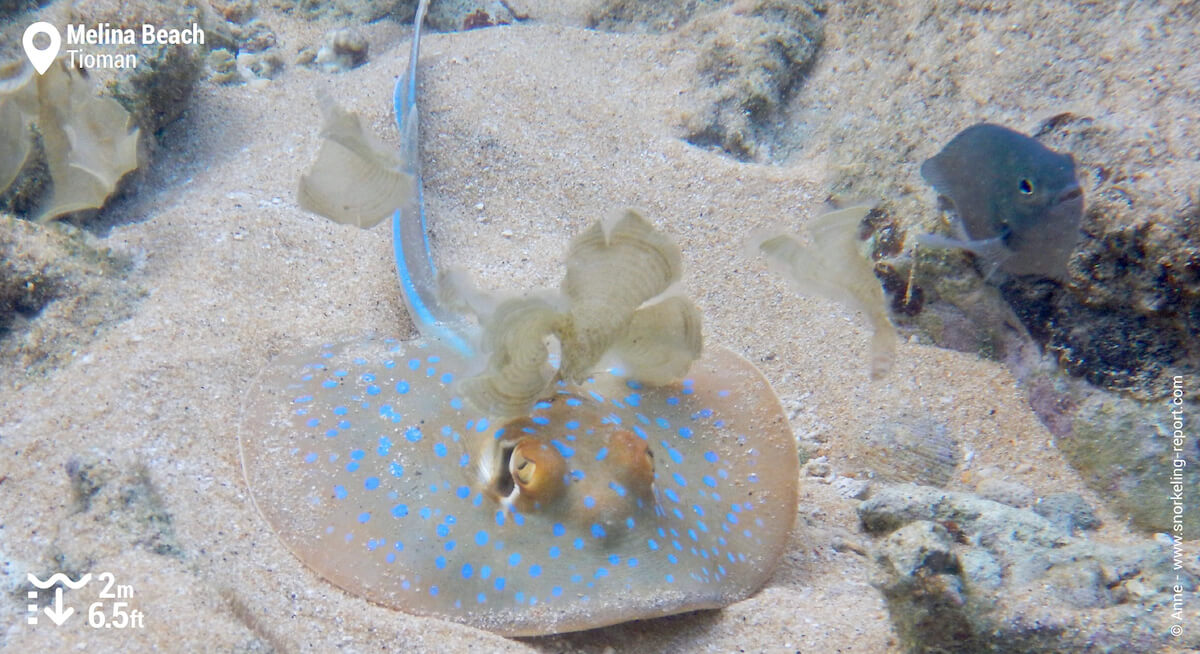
(1025, 186)
(523, 469)
(537, 471)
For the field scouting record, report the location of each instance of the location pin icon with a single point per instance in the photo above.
(41, 59)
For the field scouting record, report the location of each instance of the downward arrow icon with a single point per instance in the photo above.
(56, 612)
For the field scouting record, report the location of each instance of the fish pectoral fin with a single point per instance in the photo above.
(991, 252)
(989, 248)
(939, 242)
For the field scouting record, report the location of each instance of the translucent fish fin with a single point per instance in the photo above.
(662, 341)
(15, 143)
(612, 269)
(354, 180)
(833, 268)
(88, 142)
(991, 252)
(939, 242)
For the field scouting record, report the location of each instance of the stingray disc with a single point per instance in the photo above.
(612, 501)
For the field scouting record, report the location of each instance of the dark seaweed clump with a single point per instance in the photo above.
(1111, 348)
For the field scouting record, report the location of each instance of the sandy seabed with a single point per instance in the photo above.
(521, 150)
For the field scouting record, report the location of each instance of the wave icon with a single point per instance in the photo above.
(59, 577)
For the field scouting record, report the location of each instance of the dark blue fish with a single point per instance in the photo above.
(1019, 202)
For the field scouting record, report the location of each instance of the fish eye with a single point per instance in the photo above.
(1025, 186)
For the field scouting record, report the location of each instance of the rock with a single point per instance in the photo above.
(14, 7)
(254, 36)
(455, 15)
(1005, 492)
(751, 55)
(638, 16)
(1124, 450)
(234, 11)
(894, 506)
(965, 574)
(109, 493)
(818, 468)
(851, 488)
(357, 11)
(344, 48)
(443, 15)
(222, 67)
(260, 65)
(920, 548)
(157, 91)
(919, 574)
(1069, 511)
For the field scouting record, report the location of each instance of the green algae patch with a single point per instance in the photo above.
(58, 290)
(1124, 451)
(118, 496)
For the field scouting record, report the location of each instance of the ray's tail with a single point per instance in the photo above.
(410, 239)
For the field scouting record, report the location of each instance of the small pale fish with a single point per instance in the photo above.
(1019, 203)
(611, 501)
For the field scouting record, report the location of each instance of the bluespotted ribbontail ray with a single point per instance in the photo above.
(1018, 203)
(833, 268)
(611, 500)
